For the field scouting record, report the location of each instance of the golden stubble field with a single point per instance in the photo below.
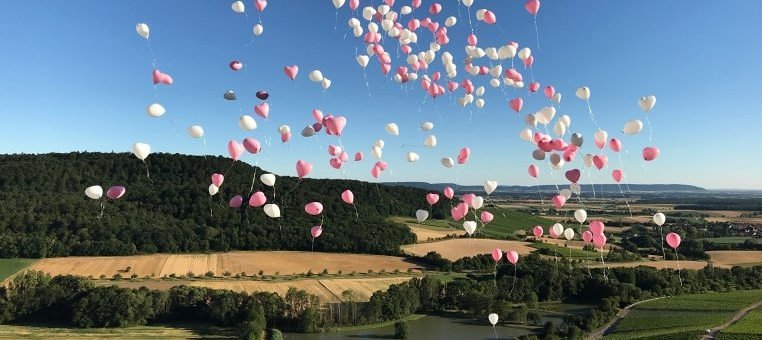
(454, 249)
(729, 258)
(249, 262)
(329, 290)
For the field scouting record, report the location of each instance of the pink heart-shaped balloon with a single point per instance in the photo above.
(615, 144)
(263, 110)
(303, 168)
(673, 240)
(318, 115)
(534, 86)
(558, 144)
(596, 227)
(217, 180)
(600, 161)
(435, 8)
(617, 175)
(316, 231)
(448, 192)
(381, 165)
(354, 4)
(587, 236)
(497, 254)
(468, 86)
(452, 86)
(599, 240)
(235, 201)
(468, 199)
(416, 3)
(432, 198)
(285, 137)
(545, 145)
(532, 6)
(570, 153)
(472, 39)
(537, 231)
(335, 163)
(486, 217)
(529, 61)
(533, 170)
(334, 150)
(163, 78)
(235, 149)
(313, 208)
(385, 68)
(573, 175)
(236, 65)
(115, 192)
(343, 156)
(516, 104)
(251, 145)
(358, 156)
(512, 256)
(348, 196)
(335, 125)
(464, 155)
(389, 3)
(514, 75)
(375, 172)
(650, 153)
(406, 49)
(549, 91)
(490, 18)
(291, 71)
(258, 199)
(260, 4)
(559, 201)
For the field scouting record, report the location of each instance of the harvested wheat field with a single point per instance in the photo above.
(729, 258)
(454, 249)
(328, 290)
(661, 264)
(426, 234)
(268, 262)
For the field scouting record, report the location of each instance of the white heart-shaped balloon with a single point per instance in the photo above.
(141, 150)
(647, 103)
(583, 93)
(477, 202)
(412, 157)
(632, 127)
(569, 234)
(247, 123)
(659, 219)
(470, 227)
(490, 186)
(430, 141)
(426, 126)
(213, 189)
(392, 129)
(272, 210)
(267, 179)
(558, 229)
(580, 215)
(196, 131)
(447, 162)
(94, 192)
(421, 215)
(156, 110)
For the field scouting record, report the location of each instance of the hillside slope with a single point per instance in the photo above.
(44, 212)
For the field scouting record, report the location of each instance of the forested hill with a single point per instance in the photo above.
(45, 213)
(517, 189)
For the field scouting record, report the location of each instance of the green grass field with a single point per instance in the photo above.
(728, 239)
(682, 317)
(750, 327)
(572, 253)
(9, 267)
(508, 221)
(139, 332)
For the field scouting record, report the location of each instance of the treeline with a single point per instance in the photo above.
(74, 301)
(44, 212)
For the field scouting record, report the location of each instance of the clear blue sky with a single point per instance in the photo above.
(74, 75)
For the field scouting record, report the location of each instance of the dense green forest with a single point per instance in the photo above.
(44, 212)
(75, 302)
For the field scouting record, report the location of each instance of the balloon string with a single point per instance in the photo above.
(211, 213)
(663, 253)
(495, 329)
(592, 184)
(650, 128)
(537, 33)
(539, 193)
(514, 281)
(592, 116)
(103, 207)
(678, 268)
(205, 152)
(605, 276)
(148, 174)
(621, 166)
(627, 203)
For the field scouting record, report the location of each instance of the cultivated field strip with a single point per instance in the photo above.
(253, 262)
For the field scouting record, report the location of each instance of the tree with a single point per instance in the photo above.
(254, 326)
(400, 330)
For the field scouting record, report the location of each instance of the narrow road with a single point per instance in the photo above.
(598, 334)
(738, 316)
